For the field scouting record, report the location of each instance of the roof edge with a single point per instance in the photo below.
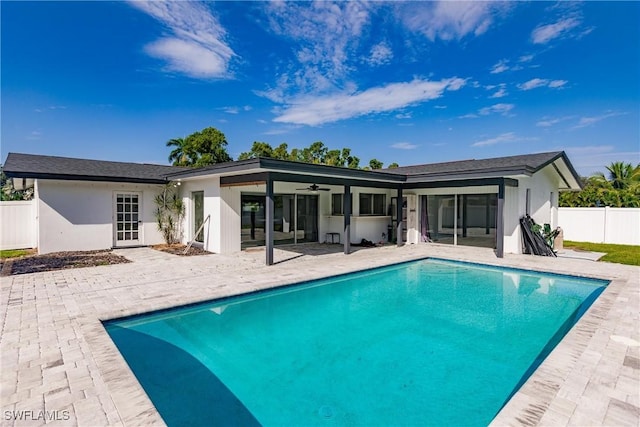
(92, 178)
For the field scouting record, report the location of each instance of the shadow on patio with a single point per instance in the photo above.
(283, 253)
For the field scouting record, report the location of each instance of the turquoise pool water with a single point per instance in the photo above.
(429, 342)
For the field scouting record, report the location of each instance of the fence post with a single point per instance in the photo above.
(606, 224)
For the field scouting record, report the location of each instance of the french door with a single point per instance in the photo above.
(127, 219)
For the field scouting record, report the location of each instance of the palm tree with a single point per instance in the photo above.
(621, 174)
(178, 155)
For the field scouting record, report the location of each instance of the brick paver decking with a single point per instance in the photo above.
(59, 366)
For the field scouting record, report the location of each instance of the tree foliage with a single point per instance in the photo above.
(203, 148)
(375, 164)
(316, 153)
(621, 189)
(209, 146)
(7, 192)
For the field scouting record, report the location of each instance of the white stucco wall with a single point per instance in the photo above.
(512, 213)
(543, 205)
(222, 206)
(78, 215)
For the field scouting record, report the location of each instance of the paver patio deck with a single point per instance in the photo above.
(57, 360)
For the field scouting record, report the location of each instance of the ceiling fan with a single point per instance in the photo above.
(314, 188)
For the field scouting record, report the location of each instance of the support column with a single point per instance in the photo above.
(268, 226)
(346, 205)
(464, 215)
(455, 220)
(399, 239)
(500, 222)
(487, 214)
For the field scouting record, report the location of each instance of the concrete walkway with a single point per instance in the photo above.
(57, 361)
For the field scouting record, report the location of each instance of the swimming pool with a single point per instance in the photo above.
(427, 342)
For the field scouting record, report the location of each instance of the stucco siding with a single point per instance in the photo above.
(77, 215)
(512, 213)
(230, 217)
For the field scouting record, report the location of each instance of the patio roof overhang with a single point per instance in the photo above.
(261, 169)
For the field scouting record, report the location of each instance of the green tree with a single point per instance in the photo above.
(393, 165)
(318, 152)
(207, 147)
(7, 192)
(178, 156)
(280, 152)
(622, 175)
(622, 189)
(203, 148)
(258, 149)
(375, 164)
(353, 162)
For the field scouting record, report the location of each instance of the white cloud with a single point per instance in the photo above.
(554, 84)
(440, 107)
(51, 107)
(503, 109)
(500, 67)
(34, 135)
(545, 33)
(501, 92)
(548, 121)
(328, 35)
(197, 47)
(590, 149)
(536, 83)
(526, 58)
(533, 83)
(231, 110)
(380, 54)
(313, 111)
(449, 20)
(502, 138)
(404, 146)
(588, 121)
(403, 116)
(235, 110)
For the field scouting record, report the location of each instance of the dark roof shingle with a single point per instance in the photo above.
(532, 162)
(20, 165)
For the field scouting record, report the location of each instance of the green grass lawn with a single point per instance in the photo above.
(621, 254)
(15, 253)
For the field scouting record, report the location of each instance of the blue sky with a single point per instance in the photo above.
(405, 82)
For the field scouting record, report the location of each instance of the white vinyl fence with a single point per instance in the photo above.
(17, 225)
(601, 225)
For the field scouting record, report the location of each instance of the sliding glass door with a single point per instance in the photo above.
(290, 224)
(460, 219)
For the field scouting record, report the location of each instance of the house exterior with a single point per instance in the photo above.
(89, 204)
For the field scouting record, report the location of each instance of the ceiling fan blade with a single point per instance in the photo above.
(324, 189)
